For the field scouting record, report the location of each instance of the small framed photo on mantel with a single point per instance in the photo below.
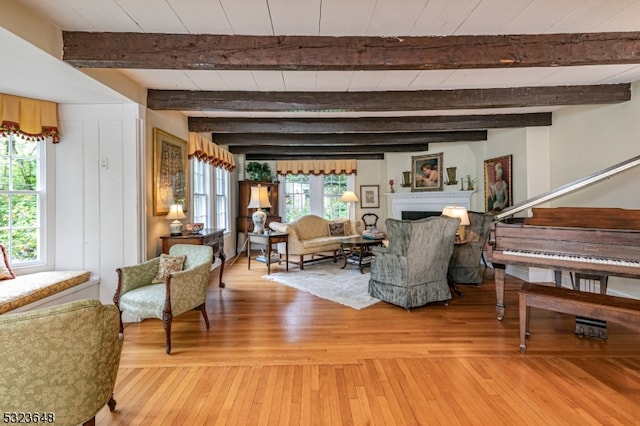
(369, 196)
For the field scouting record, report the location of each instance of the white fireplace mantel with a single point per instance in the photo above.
(428, 201)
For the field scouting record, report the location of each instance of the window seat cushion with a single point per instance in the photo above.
(25, 289)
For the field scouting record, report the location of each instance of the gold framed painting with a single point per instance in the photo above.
(497, 184)
(170, 172)
(427, 172)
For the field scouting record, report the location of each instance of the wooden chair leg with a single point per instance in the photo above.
(112, 404)
(203, 309)
(167, 317)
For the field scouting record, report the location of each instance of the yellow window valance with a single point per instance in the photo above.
(32, 118)
(316, 167)
(209, 152)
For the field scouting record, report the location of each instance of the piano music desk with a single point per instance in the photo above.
(574, 302)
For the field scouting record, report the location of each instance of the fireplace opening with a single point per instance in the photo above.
(415, 215)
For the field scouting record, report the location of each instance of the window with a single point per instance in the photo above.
(296, 196)
(334, 186)
(22, 199)
(319, 195)
(222, 198)
(201, 193)
(210, 206)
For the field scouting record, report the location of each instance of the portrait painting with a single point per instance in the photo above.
(170, 172)
(498, 193)
(427, 172)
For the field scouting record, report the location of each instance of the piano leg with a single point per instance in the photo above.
(499, 278)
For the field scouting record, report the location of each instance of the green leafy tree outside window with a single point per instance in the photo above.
(19, 197)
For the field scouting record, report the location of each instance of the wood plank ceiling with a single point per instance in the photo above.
(310, 78)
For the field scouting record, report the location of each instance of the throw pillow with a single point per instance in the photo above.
(5, 270)
(336, 229)
(168, 264)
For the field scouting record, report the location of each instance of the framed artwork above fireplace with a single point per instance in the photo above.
(427, 172)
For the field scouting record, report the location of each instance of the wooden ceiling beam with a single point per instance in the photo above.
(328, 141)
(323, 150)
(314, 53)
(301, 156)
(367, 124)
(415, 100)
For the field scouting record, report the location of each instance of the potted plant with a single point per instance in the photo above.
(258, 171)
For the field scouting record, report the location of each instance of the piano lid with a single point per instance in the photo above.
(570, 187)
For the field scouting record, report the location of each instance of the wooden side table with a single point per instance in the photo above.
(207, 237)
(268, 239)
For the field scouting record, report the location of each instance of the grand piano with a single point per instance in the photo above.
(594, 241)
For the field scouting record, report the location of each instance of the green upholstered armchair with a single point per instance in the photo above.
(62, 360)
(465, 266)
(181, 291)
(412, 271)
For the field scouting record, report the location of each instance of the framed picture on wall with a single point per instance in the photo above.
(427, 172)
(369, 196)
(497, 184)
(170, 172)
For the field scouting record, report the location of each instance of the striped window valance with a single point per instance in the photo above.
(209, 152)
(316, 167)
(32, 118)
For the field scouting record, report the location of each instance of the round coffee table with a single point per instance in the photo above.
(360, 247)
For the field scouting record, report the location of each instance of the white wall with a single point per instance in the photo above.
(586, 140)
(99, 214)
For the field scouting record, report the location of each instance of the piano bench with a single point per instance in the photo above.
(573, 302)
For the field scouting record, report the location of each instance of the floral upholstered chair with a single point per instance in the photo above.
(412, 271)
(465, 266)
(166, 286)
(61, 362)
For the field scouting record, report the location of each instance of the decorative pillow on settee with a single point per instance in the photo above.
(336, 229)
(168, 264)
(5, 270)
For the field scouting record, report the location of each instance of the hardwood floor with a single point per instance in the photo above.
(277, 356)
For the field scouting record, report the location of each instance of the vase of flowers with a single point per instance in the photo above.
(391, 185)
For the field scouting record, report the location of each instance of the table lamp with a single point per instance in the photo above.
(349, 197)
(459, 212)
(259, 200)
(176, 213)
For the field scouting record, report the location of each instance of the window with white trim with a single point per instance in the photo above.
(201, 193)
(222, 199)
(210, 195)
(22, 199)
(319, 195)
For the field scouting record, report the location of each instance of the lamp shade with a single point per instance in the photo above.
(175, 212)
(460, 212)
(259, 198)
(349, 197)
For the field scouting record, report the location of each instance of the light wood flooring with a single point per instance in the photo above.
(277, 356)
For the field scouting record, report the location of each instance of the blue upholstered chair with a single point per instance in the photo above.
(465, 266)
(412, 271)
(180, 292)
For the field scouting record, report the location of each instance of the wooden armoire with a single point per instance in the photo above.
(245, 222)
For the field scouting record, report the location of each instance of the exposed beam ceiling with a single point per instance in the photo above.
(305, 53)
(337, 67)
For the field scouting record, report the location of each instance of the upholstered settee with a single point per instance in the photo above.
(61, 362)
(310, 235)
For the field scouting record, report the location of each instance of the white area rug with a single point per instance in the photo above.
(326, 280)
